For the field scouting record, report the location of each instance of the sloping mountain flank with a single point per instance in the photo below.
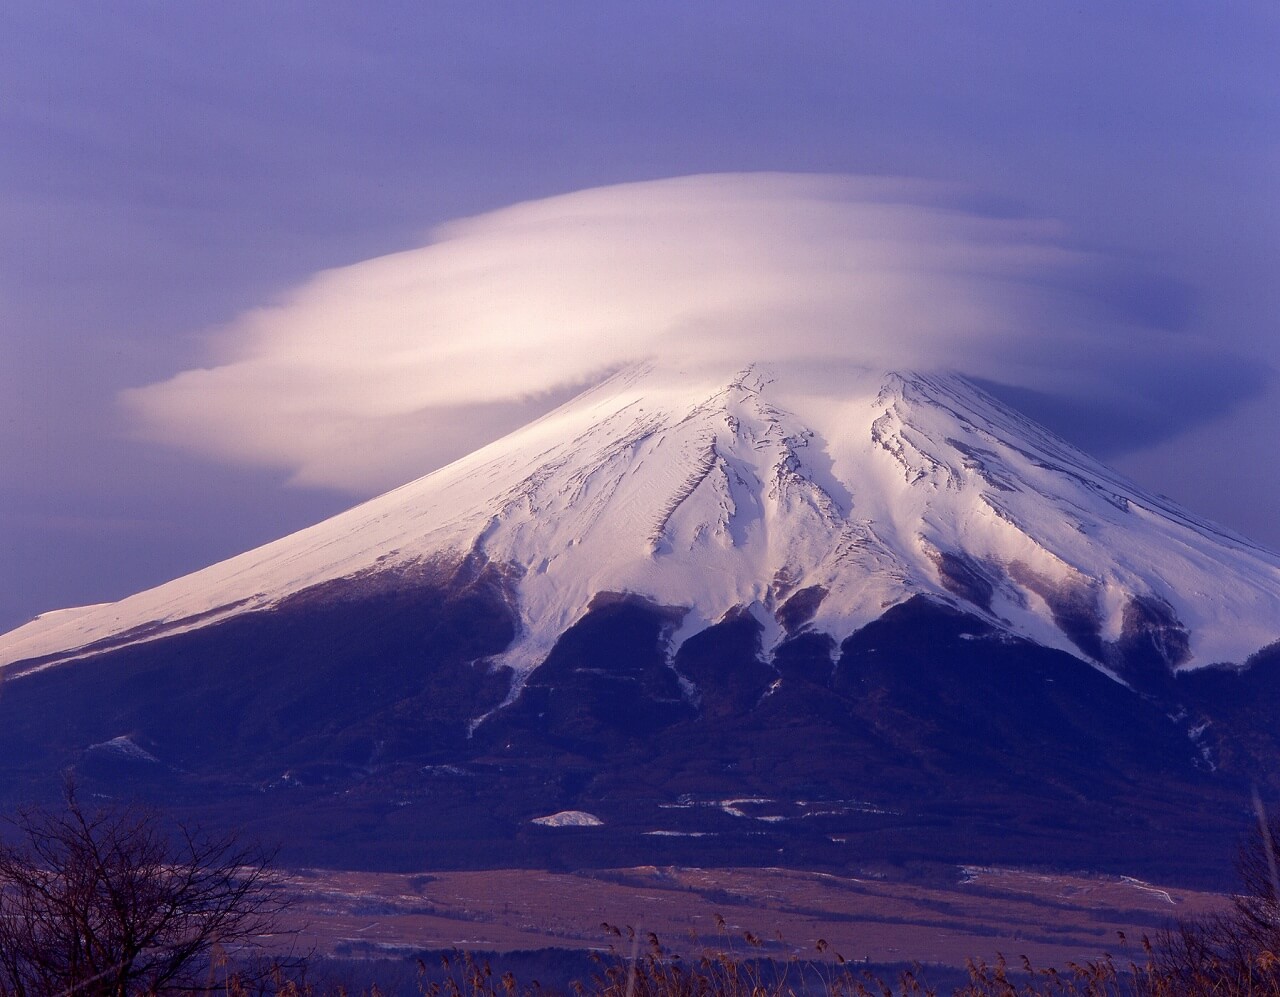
(747, 616)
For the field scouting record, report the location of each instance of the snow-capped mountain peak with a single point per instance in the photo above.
(814, 501)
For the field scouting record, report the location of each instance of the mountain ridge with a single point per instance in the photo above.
(904, 621)
(713, 492)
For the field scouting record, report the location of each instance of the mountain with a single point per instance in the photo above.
(710, 495)
(734, 611)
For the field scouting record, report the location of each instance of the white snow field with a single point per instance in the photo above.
(710, 490)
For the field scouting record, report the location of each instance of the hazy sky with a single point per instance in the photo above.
(169, 170)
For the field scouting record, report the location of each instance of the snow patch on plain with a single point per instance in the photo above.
(569, 818)
(125, 747)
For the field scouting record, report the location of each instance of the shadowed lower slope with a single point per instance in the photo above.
(346, 728)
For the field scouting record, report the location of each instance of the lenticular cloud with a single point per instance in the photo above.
(373, 374)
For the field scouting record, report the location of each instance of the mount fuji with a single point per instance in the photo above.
(723, 614)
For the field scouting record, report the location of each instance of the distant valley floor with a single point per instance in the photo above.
(1050, 918)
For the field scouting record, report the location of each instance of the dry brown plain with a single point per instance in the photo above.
(1047, 917)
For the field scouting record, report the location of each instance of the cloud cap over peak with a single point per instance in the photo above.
(373, 374)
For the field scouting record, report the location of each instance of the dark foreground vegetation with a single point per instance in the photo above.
(109, 902)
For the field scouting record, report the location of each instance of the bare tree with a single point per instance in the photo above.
(105, 902)
(1236, 951)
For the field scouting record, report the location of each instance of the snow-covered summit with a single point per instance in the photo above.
(812, 498)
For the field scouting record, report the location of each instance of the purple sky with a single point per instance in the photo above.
(164, 167)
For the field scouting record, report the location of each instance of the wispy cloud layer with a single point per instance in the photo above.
(375, 373)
